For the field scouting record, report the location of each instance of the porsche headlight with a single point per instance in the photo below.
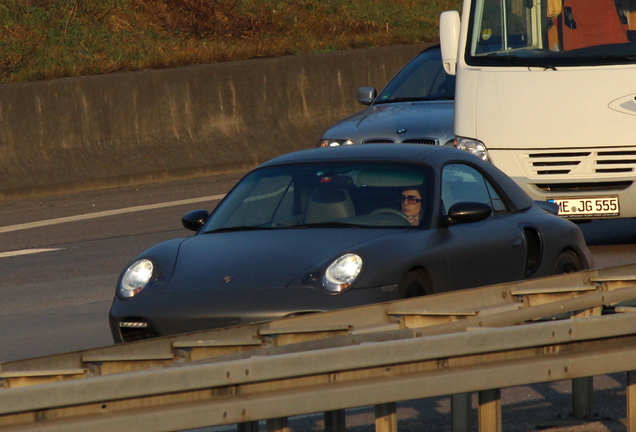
(334, 142)
(135, 278)
(473, 146)
(341, 273)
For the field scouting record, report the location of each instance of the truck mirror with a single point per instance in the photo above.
(449, 23)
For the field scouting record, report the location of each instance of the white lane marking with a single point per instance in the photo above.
(107, 213)
(26, 252)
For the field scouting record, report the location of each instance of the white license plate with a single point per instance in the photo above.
(587, 207)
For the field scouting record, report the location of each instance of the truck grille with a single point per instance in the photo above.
(564, 162)
(584, 187)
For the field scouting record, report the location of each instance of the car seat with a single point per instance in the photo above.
(327, 204)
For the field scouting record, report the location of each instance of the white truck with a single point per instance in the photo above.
(545, 91)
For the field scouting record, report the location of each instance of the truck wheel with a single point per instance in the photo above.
(415, 283)
(567, 262)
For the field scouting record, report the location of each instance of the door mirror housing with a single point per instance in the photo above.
(195, 219)
(449, 25)
(366, 95)
(466, 212)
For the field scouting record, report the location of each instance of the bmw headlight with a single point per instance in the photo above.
(334, 142)
(473, 146)
(135, 278)
(341, 273)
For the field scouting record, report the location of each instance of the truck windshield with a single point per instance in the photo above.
(551, 33)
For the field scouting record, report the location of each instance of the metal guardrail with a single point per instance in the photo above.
(372, 355)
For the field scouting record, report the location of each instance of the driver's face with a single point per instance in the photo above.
(411, 209)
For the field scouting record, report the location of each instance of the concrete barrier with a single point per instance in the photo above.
(120, 129)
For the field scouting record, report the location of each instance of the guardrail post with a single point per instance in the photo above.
(278, 425)
(461, 412)
(582, 397)
(335, 421)
(386, 417)
(631, 401)
(490, 410)
(247, 427)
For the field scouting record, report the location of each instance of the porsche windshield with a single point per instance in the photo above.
(551, 33)
(327, 195)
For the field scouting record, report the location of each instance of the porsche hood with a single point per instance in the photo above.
(262, 259)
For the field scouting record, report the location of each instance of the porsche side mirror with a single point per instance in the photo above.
(366, 95)
(195, 219)
(466, 212)
(550, 207)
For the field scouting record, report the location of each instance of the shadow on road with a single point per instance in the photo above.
(609, 232)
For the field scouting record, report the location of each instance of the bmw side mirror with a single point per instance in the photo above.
(366, 95)
(195, 219)
(466, 212)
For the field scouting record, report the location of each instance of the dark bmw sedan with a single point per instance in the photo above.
(325, 229)
(416, 107)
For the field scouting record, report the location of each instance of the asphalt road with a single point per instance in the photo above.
(60, 257)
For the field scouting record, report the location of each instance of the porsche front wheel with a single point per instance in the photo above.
(415, 283)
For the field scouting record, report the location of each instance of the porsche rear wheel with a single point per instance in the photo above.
(567, 262)
(415, 283)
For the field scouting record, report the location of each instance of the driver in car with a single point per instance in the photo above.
(411, 201)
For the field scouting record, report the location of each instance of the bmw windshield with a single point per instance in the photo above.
(325, 195)
(423, 78)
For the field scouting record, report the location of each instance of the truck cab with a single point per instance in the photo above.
(546, 92)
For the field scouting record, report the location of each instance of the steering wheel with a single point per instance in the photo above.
(390, 211)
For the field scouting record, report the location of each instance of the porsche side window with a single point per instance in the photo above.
(495, 200)
(464, 183)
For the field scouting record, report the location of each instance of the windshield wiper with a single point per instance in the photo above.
(329, 225)
(240, 228)
(518, 60)
(414, 99)
(309, 225)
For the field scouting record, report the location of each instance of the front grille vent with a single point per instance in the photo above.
(426, 141)
(560, 163)
(135, 329)
(563, 162)
(378, 141)
(584, 187)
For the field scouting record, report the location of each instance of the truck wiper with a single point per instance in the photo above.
(521, 61)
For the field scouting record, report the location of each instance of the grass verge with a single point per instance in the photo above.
(48, 39)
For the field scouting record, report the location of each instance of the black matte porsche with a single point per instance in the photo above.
(326, 228)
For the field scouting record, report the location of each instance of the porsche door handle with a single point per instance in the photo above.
(517, 244)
